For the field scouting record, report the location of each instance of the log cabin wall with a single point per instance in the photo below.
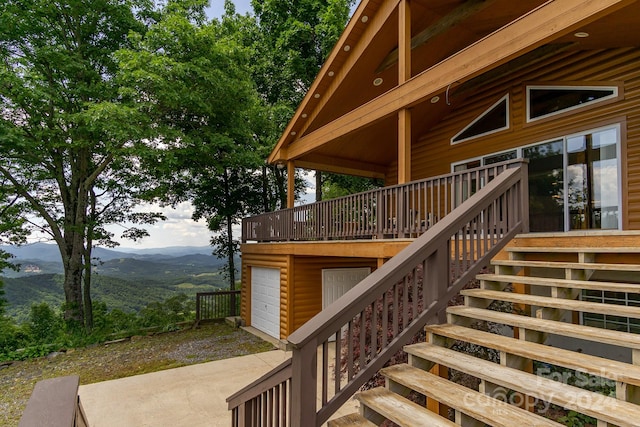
(300, 285)
(306, 299)
(433, 154)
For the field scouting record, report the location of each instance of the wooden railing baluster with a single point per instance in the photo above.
(477, 228)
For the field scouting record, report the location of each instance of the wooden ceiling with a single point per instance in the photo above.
(440, 28)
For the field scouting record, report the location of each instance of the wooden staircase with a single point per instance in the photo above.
(533, 304)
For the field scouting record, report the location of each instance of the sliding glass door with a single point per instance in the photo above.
(574, 181)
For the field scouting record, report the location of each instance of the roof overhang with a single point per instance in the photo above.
(348, 124)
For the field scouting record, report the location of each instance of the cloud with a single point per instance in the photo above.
(177, 230)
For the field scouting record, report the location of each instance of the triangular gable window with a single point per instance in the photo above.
(494, 119)
(545, 101)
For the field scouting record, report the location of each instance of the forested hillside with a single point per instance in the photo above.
(127, 284)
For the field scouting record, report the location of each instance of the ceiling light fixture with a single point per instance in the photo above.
(377, 81)
(581, 34)
(304, 115)
(293, 133)
(347, 48)
(316, 96)
(364, 19)
(435, 99)
(331, 73)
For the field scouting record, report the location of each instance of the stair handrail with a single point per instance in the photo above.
(449, 254)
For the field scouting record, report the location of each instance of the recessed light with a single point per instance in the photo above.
(364, 18)
(378, 81)
(316, 96)
(435, 99)
(347, 48)
(293, 133)
(331, 73)
(304, 115)
(581, 34)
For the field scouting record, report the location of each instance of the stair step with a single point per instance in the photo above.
(562, 283)
(569, 265)
(606, 336)
(470, 402)
(576, 249)
(400, 410)
(620, 371)
(601, 407)
(561, 303)
(351, 420)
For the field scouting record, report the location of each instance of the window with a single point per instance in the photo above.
(494, 119)
(574, 181)
(545, 101)
(608, 321)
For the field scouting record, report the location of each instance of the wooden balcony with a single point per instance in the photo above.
(400, 211)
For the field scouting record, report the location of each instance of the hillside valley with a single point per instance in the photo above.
(122, 280)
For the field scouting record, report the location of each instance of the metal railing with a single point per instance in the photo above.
(217, 305)
(401, 297)
(398, 211)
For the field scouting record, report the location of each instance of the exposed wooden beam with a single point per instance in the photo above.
(404, 74)
(455, 17)
(342, 166)
(404, 41)
(404, 146)
(542, 25)
(540, 54)
(374, 25)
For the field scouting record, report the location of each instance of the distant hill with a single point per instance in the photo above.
(123, 280)
(49, 252)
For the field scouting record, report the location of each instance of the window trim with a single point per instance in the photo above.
(505, 99)
(615, 95)
(618, 125)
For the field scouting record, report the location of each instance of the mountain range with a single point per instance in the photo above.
(127, 279)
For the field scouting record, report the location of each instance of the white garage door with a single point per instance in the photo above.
(265, 300)
(337, 281)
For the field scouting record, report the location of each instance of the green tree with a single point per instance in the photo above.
(291, 41)
(65, 148)
(189, 77)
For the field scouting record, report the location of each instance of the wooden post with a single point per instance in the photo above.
(404, 74)
(304, 366)
(291, 183)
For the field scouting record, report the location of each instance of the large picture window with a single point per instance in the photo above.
(546, 101)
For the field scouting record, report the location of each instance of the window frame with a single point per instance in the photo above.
(616, 93)
(506, 99)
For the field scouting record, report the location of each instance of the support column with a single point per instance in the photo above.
(291, 183)
(404, 146)
(404, 74)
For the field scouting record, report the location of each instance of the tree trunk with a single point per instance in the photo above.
(73, 284)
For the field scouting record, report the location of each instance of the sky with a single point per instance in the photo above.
(216, 7)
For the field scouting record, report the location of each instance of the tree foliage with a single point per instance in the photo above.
(65, 153)
(192, 84)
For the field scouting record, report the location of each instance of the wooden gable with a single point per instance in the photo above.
(349, 120)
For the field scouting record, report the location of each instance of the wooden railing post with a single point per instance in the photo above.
(303, 385)
(524, 196)
(198, 300)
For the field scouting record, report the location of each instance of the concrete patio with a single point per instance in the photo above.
(189, 396)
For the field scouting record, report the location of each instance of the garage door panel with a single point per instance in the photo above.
(265, 300)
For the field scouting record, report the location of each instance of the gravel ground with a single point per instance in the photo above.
(139, 355)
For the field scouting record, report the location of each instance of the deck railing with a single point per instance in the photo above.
(338, 350)
(406, 210)
(217, 305)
